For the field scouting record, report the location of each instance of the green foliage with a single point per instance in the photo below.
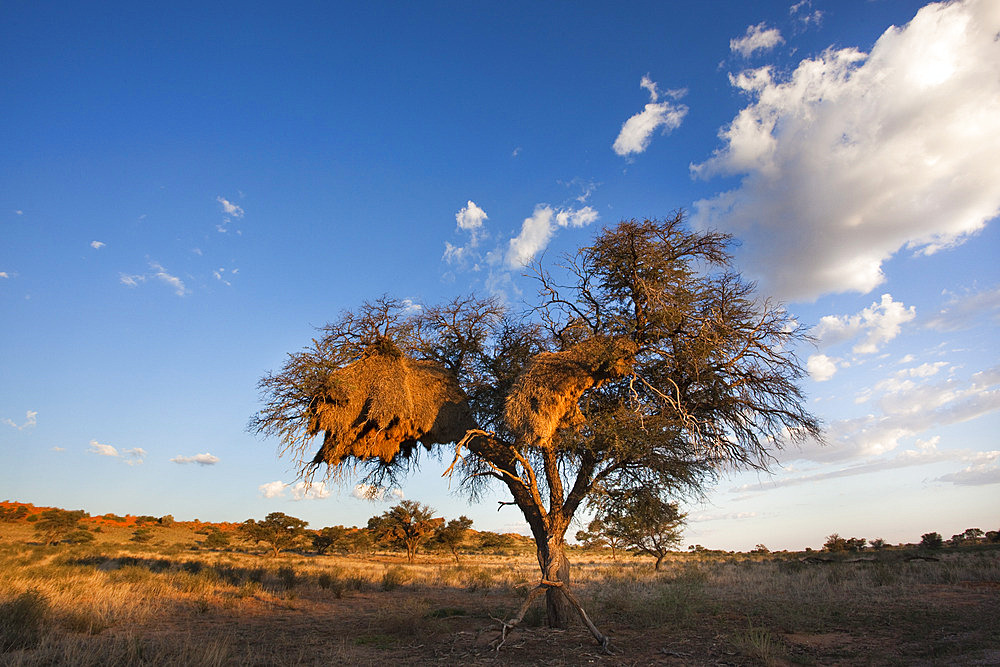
(278, 531)
(79, 537)
(13, 514)
(55, 524)
(216, 539)
(142, 535)
(835, 543)
(931, 541)
(642, 520)
(21, 621)
(408, 524)
(453, 534)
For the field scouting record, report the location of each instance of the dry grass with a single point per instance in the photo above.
(123, 603)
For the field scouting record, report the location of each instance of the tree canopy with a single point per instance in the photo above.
(646, 362)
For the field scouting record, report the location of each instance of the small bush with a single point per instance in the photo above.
(393, 578)
(286, 574)
(21, 621)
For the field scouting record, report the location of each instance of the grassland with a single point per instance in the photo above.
(169, 602)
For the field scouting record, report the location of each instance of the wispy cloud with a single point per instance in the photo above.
(369, 492)
(965, 310)
(805, 14)
(30, 420)
(132, 457)
(205, 459)
(230, 208)
(636, 132)
(97, 245)
(757, 38)
(158, 273)
(4, 274)
(537, 231)
(853, 156)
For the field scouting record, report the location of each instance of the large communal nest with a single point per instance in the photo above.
(545, 398)
(384, 404)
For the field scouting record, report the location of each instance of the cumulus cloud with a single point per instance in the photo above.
(875, 325)
(132, 456)
(4, 274)
(205, 459)
(964, 311)
(30, 420)
(306, 491)
(469, 220)
(821, 367)
(275, 489)
(538, 230)
(757, 38)
(636, 132)
(370, 492)
(853, 156)
(97, 245)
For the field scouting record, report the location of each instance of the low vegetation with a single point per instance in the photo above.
(174, 600)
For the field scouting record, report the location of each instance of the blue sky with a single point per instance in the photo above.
(186, 191)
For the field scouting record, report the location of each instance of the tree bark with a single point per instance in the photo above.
(659, 561)
(555, 568)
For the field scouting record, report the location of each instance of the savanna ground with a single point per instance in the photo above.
(114, 602)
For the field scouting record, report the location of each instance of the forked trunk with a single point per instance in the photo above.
(659, 561)
(555, 567)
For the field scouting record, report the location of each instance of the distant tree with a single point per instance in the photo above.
(856, 544)
(760, 549)
(993, 536)
(643, 521)
(490, 541)
(599, 534)
(142, 535)
(453, 535)
(931, 541)
(331, 538)
(144, 519)
(878, 544)
(13, 514)
(408, 524)
(79, 536)
(166, 520)
(278, 531)
(835, 543)
(216, 539)
(55, 524)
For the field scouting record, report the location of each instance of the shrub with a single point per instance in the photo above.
(931, 540)
(21, 621)
(287, 576)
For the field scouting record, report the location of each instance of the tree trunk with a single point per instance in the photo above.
(659, 561)
(555, 568)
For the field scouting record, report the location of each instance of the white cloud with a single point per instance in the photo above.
(97, 245)
(160, 274)
(801, 10)
(470, 220)
(907, 405)
(369, 492)
(854, 156)
(30, 420)
(537, 231)
(876, 325)
(205, 459)
(4, 274)
(132, 457)
(57, 448)
(634, 137)
(306, 491)
(821, 367)
(986, 471)
(274, 489)
(962, 312)
(230, 208)
(757, 38)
